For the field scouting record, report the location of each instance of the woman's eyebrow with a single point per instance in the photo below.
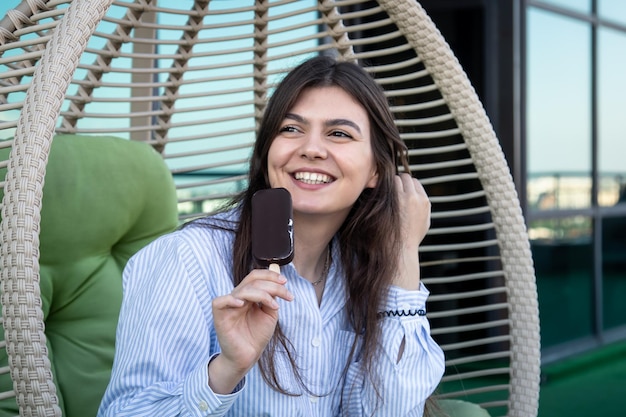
(344, 122)
(327, 123)
(296, 118)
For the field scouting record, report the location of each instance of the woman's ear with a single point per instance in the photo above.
(373, 180)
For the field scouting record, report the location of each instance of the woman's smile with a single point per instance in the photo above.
(312, 177)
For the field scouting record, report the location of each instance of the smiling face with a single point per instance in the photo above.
(323, 152)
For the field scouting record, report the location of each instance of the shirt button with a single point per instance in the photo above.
(203, 406)
(314, 399)
(316, 341)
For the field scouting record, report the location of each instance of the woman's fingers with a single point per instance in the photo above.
(262, 287)
(227, 301)
(409, 187)
(414, 203)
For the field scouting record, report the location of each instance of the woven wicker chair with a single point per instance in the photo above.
(192, 77)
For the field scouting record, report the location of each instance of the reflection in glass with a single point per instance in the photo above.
(614, 271)
(558, 112)
(614, 10)
(563, 256)
(611, 105)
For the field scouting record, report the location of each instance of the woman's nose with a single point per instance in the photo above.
(313, 147)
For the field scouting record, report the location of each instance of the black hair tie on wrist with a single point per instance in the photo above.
(401, 313)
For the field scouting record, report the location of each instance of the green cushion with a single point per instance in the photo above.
(104, 199)
(459, 408)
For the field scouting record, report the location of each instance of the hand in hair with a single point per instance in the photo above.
(415, 221)
(245, 321)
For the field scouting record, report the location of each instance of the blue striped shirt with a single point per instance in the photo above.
(166, 338)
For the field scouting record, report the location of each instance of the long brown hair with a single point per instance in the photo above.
(369, 237)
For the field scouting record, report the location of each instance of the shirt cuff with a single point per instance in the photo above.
(405, 300)
(200, 399)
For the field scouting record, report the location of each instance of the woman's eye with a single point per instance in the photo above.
(340, 134)
(288, 129)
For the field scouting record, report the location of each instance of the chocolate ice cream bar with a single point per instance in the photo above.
(272, 228)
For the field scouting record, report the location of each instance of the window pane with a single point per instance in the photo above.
(614, 271)
(558, 109)
(614, 10)
(611, 105)
(582, 6)
(563, 256)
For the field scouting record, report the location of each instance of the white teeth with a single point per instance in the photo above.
(313, 178)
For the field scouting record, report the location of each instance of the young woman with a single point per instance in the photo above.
(342, 329)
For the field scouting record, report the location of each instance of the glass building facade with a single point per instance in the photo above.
(552, 76)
